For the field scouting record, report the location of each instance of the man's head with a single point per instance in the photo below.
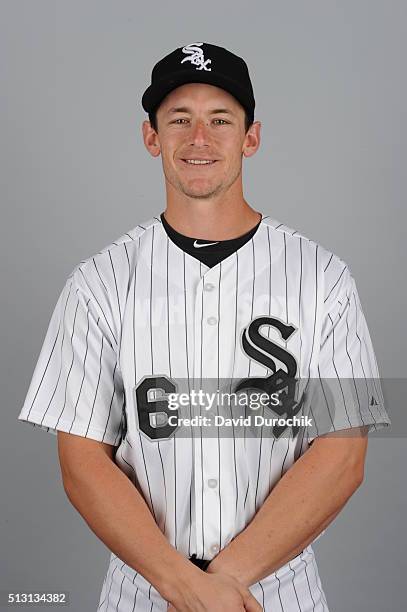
(201, 119)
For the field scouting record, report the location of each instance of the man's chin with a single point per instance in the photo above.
(200, 193)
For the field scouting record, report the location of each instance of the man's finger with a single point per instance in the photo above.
(251, 604)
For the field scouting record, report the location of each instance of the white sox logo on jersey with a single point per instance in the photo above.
(195, 55)
(261, 349)
(152, 407)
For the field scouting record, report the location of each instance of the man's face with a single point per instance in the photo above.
(200, 123)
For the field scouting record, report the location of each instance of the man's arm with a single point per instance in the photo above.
(118, 514)
(302, 504)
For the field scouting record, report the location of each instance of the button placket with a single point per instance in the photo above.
(206, 464)
(209, 286)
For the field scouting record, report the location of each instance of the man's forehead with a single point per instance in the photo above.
(212, 110)
(207, 96)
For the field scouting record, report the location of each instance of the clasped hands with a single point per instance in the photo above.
(213, 591)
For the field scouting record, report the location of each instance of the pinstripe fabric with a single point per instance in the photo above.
(142, 307)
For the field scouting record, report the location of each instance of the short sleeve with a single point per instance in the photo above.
(76, 386)
(347, 392)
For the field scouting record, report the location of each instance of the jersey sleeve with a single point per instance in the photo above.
(347, 392)
(76, 386)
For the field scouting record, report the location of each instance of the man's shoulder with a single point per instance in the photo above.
(112, 265)
(296, 241)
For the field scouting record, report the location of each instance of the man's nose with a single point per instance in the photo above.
(199, 133)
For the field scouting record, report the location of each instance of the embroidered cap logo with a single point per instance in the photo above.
(195, 55)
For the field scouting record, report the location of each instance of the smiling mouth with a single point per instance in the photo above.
(199, 162)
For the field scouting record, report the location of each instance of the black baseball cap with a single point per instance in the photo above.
(200, 62)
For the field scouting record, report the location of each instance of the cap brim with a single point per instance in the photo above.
(156, 92)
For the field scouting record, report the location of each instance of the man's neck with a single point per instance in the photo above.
(200, 219)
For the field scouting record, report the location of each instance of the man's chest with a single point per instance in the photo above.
(250, 315)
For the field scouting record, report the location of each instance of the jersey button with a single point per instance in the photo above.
(212, 482)
(215, 548)
(211, 320)
(209, 286)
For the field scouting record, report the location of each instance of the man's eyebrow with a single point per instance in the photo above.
(225, 111)
(185, 109)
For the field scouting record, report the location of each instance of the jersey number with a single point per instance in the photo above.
(152, 407)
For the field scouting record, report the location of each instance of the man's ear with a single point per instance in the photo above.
(151, 140)
(252, 139)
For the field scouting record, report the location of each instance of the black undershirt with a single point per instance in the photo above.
(211, 254)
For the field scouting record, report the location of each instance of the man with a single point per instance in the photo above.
(209, 294)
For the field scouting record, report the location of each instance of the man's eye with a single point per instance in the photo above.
(181, 121)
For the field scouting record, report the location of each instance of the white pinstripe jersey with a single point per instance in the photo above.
(142, 308)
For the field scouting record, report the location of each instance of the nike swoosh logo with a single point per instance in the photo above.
(198, 246)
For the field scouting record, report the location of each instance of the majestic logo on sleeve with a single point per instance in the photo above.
(195, 55)
(282, 381)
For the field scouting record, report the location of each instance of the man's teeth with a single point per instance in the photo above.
(199, 161)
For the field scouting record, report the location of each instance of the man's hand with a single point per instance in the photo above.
(215, 593)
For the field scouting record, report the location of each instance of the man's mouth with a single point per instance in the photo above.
(199, 162)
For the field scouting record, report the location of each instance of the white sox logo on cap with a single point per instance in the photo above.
(195, 55)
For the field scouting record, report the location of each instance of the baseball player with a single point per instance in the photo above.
(210, 295)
